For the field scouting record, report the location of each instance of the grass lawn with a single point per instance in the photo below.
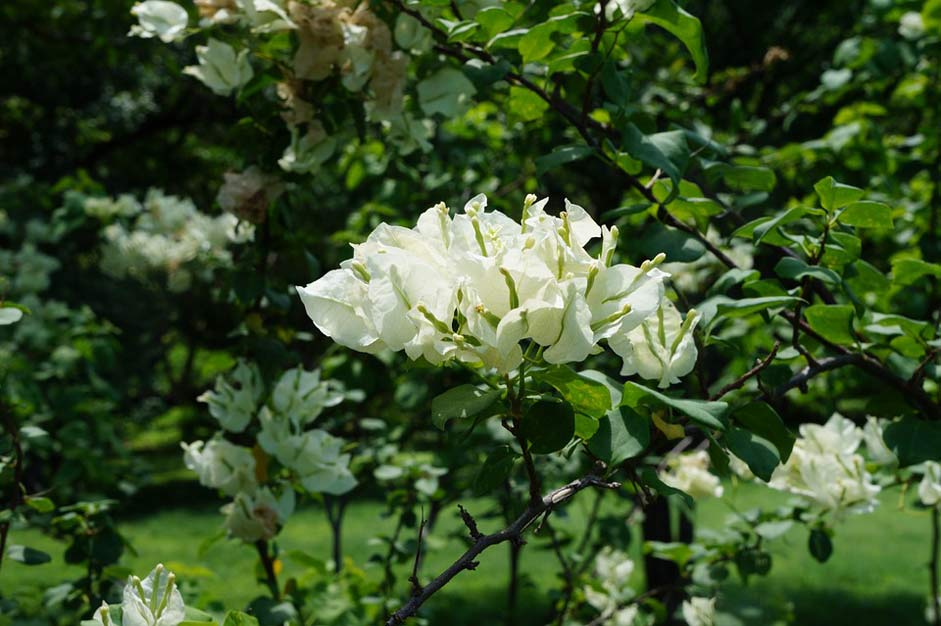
(877, 575)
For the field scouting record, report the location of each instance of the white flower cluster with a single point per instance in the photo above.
(929, 489)
(166, 235)
(473, 286)
(610, 593)
(826, 468)
(154, 601)
(689, 472)
(314, 458)
(699, 611)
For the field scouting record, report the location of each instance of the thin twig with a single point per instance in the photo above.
(741, 380)
(413, 579)
(513, 532)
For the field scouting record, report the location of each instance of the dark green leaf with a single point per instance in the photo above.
(759, 454)
(561, 156)
(666, 151)
(708, 414)
(584, 394)
(622, 434)
(494, 471)
(685, 27)
(461, 403)
(548, 426)
(795, 269)
(820, 545)
(27, 556)
(763, 420)
(914, 440)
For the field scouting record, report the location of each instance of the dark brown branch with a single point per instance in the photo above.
(823, 365)
(741, 380)
(513, 532)
(267, 563)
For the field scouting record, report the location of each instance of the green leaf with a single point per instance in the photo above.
(820, 545)
(648, 476)
(795, 269)
(622, 434)
(525, 105)
(834, 195)
(615, 84)
(494, 20)
(548, 426)
(867, 215)
(914, 440)
(708, 414)
(584, 394)
(495, 470)
(834, 322)
(27, 556)
(42, 505)
(447, 92)
(560, 156)
(666, 151)
(727, 307)
(764, 421)
(192, 614)
(759, 454)
(461, 403)
(908, 271)
(537, 43)
(684, 27)
(237, 618)
(749, 178)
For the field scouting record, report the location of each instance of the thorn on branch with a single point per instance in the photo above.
(471, 524)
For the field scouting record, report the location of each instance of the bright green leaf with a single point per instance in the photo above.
(622, 434)
(685, 27)
(461, 403)
(867, 215)
(834, 195)
(834, 322)
(708, 414)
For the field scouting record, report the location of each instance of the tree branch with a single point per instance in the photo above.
(513, 532)
(741, 380)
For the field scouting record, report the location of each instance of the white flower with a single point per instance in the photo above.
(258, 516)
(661, 348)
(911, 25)
(625, 8)
(235, 403)
(158, 18)
(472, 287)
(689, 472)
(154, 601)
(220, 68)
(825, 467)
(103, 615)
(699, 611)
(221, 465)
(929, 489)
(314, 455)
(10, 315)
(879, 452)
(302, 395)
(265, 16)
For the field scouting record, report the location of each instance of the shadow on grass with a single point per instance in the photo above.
(487, 605)
(767, 604)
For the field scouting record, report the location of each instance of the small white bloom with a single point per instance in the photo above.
(265, 16)
(234, 401)
(258, 516)
(699, 611)
(929, 489)
(661, 348)
(221, 465)
(10, 315)
(879, 452)
(302, 395)
(159, 18)
(911, 25)
(689, 472)
(220, 68)
(308, 151)
(154, 601)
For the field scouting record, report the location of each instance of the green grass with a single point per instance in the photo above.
(877, 575)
